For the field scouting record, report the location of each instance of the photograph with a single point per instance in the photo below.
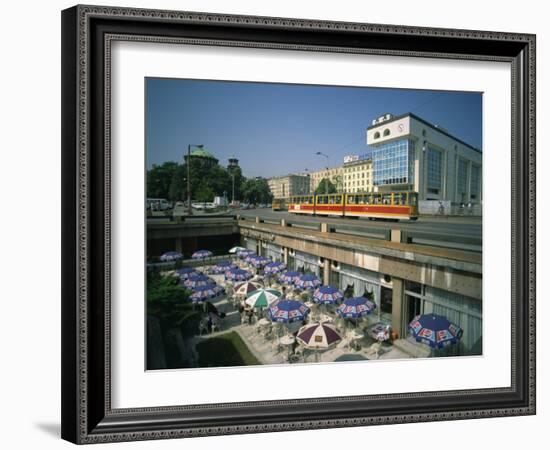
(302, 223)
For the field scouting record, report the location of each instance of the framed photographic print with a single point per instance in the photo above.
(283, 224)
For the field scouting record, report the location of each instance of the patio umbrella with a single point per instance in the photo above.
(198, 280)
(238, 275)
(247, 287)
(319, 335)
(287, 311)
(236, 249)
(327, 295)
(201, 293)
(244, 253)
(259, 261)
(435, 330)
(307, 281)
(249, 257)
(262, 298)
(186, 272)
(223, 266)
(274, 267)
(355, 307)
(289, 277)
(201, 254)
(171, 256)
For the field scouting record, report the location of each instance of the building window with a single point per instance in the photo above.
(434, 170)
(462, 179)
(393, 163)
(474, 183)
(386, 132)
(376, 135)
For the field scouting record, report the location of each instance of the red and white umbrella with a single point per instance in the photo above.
(247, 287)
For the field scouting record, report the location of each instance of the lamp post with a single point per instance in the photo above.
(189, 208)
(232, 187)
(326, 156)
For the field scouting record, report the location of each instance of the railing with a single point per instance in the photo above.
(467, 243)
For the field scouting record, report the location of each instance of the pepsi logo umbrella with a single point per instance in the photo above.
(201, 254)
(201, 293)
(244, 253)
(248, 258)
(327, 295)
(171, 256)
(318, 335)
(262, 298)
(223, 266)
(289, 277)
(198, 280)
(238, 275)
(307, 282)
(435, 330)
(287, 311)
(274, 267)
(355, 307)
(259, 261)
(243, 289)
(186, 272)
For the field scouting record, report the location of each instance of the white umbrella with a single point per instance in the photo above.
(236, 249)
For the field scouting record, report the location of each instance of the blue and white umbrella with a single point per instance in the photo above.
(307, 282)
(259, 261)
(248, 258)
(171, 256)
(327, 295)
(244, 253)
(287, 311)
(202, 293)
(274, 267)
(289, 277)
(238, 275)
(198, 280)
(201, 254)
(223, 266)
(435, 330)
(355, 307)
(186, 272)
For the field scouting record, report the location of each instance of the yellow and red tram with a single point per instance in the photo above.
(376, 205)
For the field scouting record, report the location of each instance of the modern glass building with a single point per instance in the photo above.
(393, 163)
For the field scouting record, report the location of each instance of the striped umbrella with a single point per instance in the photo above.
(247, 287)
(287, 311)
(238, 275)
(244, 253)
(223, 266)
(308, 282)
(186, 272)
(435, 330)
(171, 256)
(318, 335)
(327, 295)
(262, 298)
(198, 280)
(201, 293)
(289, 277)
(274, 267)
(201, 254)
(355, 307)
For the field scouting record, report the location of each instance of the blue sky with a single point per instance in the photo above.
(274, 129)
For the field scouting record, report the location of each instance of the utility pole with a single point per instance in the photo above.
(189, 208)
(326, 182)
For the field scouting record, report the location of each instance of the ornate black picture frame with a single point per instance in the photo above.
(87, 33)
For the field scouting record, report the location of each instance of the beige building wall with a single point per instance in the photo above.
(334, 174)
(288, 185)
(358, 176)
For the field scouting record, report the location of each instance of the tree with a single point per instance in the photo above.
(159, 179)
(325, 186)
(256, 190)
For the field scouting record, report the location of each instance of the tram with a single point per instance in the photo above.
(401, 205)
(279, 204)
